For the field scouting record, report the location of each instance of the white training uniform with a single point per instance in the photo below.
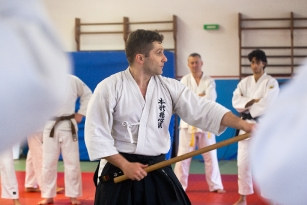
(202, 138)
(279, 144)
(118, 102)
(62, 142)
(9, 184)
(266, 89)
(33, 69)
(34, 160)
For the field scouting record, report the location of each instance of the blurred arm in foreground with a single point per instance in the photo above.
(33, 67)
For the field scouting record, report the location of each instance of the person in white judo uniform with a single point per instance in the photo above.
(127, 125)
(190, 136)
(251, 98)
(34, 162)
(9, 184)
(60, 136)
(279, 168)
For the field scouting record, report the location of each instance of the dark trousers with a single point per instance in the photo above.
(159, 187)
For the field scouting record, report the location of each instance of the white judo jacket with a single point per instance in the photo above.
(119, 119)
(206, 86)
(76, 89)
(266, 89)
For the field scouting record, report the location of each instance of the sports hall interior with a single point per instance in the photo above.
(223, 32)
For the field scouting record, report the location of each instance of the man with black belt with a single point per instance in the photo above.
(60, 136)
(251, 97)
(127, 126)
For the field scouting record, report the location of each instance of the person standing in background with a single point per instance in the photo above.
(60, 137)
(251, 98)
(190, 136)
(9, 184)
(34, 163)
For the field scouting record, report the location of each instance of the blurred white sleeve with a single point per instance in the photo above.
(279, 145)
(33, 69)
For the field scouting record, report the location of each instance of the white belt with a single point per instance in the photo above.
(129, 125)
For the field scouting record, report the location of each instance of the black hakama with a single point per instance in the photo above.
(159, 187)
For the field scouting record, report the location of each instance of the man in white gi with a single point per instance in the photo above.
(33, 69)
(9, 184)
(279, 144)
(127, 125)
(251, 99)
(190, 136)
(60, 136)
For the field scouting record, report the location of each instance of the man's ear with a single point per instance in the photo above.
(139, 58)
(264, 64)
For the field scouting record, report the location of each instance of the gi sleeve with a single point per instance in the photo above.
(238, 99)
(198, 111)
(271, 93)
(85, 93)
(210, 90)
(99, 121)
(182, 123)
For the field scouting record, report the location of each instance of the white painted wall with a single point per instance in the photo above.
(219, 49)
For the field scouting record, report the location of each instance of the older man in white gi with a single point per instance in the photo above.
(127, 125)
(251, 98)
(190, 136)
(60, 136)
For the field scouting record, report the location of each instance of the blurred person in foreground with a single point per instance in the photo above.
(279, 145)
(33, 68)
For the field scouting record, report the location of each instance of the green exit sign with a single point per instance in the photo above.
(211, 26)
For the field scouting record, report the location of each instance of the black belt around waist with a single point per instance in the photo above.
(247, 116)
(150, 160)
(159, 187)
(72, 126)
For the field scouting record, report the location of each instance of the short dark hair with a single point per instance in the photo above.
(194, 55)
(140, 41)
(259, 55)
